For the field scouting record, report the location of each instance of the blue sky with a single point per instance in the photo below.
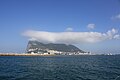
(18, 16)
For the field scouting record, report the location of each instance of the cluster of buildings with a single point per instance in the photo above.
(54, 52)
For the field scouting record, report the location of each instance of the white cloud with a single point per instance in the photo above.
(71, 37)
(117, 36)
(111, 33)
(69, 29)
(91, 26)
(117, 17)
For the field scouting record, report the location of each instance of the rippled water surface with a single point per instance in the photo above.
(59, 67)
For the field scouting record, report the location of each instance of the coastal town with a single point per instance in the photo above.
(54, 52)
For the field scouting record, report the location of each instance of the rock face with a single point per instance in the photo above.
(38, 47)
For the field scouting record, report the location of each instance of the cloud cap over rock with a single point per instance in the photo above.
(71, 37)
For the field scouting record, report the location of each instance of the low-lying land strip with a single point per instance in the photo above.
(2, 54)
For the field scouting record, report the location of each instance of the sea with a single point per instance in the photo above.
(82, 67)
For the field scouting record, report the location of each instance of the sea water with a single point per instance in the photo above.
(60, 67)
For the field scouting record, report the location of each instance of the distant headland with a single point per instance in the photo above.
(35, 47)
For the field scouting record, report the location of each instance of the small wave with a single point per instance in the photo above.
(6, 77)
(117, 78)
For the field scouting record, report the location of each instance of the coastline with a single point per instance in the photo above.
(26, 54)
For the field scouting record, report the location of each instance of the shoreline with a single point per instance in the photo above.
(26, 54)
